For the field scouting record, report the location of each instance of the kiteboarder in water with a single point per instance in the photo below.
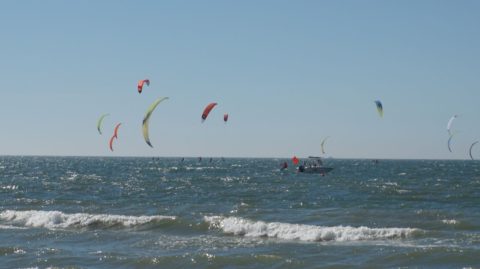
(301, 168)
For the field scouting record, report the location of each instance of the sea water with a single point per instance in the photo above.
(99, 212)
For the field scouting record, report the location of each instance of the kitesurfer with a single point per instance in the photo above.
(301, 168)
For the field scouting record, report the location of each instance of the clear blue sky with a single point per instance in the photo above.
(288, 72)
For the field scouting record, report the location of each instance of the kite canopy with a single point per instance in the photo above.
(146, 119)
(100, 121)
(140, 84)
(115, 133)
(323, 144)
(470, 151)
(111, 142)
(114, 136)
(449, 142)
(449, 124)
(379, 108)
(225, 117)
(207, 110)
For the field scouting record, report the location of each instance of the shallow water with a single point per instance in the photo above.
(88, 212)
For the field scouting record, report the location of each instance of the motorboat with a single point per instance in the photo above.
(314, 165)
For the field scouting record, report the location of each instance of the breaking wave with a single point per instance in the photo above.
(58, 219)
(244, 227)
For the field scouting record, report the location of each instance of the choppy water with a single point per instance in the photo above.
(237, 213)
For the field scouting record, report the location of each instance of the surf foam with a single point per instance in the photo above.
(58, 219)
(450, 221)
(244, 227)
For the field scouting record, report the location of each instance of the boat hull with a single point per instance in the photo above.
(316, 170)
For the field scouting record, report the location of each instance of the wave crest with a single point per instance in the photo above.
(244, 227)
(58, 219)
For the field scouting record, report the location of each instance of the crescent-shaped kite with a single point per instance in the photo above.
(207, 110)
(323, 144)
(146, 119)
(449, 141)
(140, 84)
(379, 108)
(100, 121)
(449, 124)
(115, 133)
(114, 136)
(111, 142)
(470, 151)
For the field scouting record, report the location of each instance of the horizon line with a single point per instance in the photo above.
(219, 157)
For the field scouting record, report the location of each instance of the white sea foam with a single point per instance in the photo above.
(9, 187)
(19, 251)
(450, 221)
(287, 231)
(57, 219)
(9, 227)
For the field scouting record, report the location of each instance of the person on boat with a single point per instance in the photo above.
(284, 166)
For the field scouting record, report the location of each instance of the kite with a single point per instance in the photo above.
(323, 144)
(449, 124)
(99, 123)
(140, 84)
(207, 110)
(449, 141)
(147, 118)
(379, 108)
(115, 133)
(470, 151)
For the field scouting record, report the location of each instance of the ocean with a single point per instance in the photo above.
(105, 212)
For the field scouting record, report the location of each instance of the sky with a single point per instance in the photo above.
(289, 73)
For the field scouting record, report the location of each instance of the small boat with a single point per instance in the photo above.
(314, 166)
(314, 169)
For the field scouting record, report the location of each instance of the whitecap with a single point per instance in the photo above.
(9, 187)
(58, 219)
(9, 227)
(450, 221)
(302, 232)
